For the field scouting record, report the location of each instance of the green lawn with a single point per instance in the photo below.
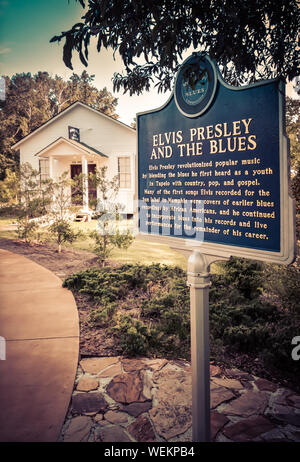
(4, 221)
(139, 252)
(7, 233)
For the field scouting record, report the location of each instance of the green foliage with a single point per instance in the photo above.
(293, 132)
(253, 40)
(109, 233)
(26, 229)
(110, 284)
(105, 243)
(243, 275)
(134, 336)
(9, 189)
(108, 287)
(276, 351)
(62, 231)
(102, 316)
(284, 282)
(157, 320)
(34, 196)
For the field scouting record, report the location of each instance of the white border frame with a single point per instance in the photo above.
(288, 241)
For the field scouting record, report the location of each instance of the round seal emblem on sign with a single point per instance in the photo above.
(195, 85)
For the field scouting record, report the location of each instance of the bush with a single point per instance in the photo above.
(243, 275)
(284, 282)
(240, 319)
(62, 232)
(101, 317)
(26, 229)
(133, 336)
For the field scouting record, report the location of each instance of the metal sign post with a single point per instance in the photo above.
(198, 279)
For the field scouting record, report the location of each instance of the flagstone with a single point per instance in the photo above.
(78, 430)
(180, 363)
(87, 384)
(88, 402)
(281, 397)
(220, 395)
(294, 400)
(126, 388)
(237, 374)
(103, 422)
(286, 414)
(249, 403)
(133, 365)
(135, 409)
(115, 434)
(275, 435)
(256, 404)
(294, 435)
(171, 420)
(172, 382)
(116, 417)
(155, 364)
(173, 415)
(228, 383)
(141, 429)
(265, 385)
(111, 371)
(247, 385)
(247, 430)
(217, 422)
(96, 365)
(214, 370)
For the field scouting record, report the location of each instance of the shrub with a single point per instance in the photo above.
(62, 232)
(102, 316)
(243, 275)
(284, 282)
(133, 336)
(26, 229)
(240, 319)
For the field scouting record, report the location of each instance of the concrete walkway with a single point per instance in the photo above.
(39, 322)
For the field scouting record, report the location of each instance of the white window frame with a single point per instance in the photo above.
(44, 168)
(128, 171)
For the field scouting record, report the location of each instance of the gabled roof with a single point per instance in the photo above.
(54, 118)
(82, 146)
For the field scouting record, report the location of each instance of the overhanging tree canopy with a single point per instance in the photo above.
(250, 39)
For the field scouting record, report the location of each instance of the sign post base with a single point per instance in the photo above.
(198, 279)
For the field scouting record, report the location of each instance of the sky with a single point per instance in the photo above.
(26, 27)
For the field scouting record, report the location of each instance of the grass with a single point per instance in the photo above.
(6, 233)
(139, 252)
(4, 221)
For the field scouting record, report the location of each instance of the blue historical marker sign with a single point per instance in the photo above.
(213, 167)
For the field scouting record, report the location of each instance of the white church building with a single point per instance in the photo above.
(81, 139)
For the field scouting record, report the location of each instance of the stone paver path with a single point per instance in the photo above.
(39, 322)
(146, 400)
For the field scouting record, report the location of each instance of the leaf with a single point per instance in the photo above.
(56, 38)
(67, 51)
